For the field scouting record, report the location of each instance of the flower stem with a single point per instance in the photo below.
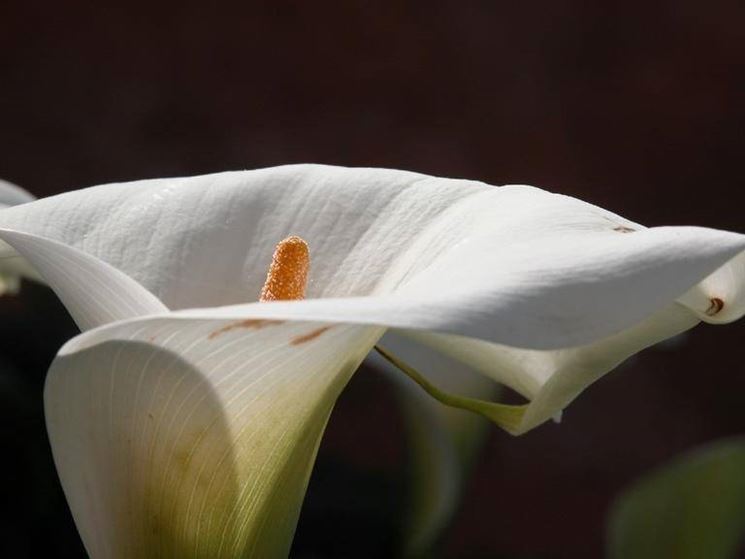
(508, 417)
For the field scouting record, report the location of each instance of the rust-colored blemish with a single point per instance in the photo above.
(715, 307)
(309, 336)
(624, 229)
(251, 323)
(288, 272)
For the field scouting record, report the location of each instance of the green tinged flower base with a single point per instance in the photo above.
(253, 525)
(202, 456)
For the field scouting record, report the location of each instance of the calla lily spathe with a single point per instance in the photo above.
(185, 420)
(13, 267)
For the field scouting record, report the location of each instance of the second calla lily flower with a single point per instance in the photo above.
(13, 267)
(185, 419)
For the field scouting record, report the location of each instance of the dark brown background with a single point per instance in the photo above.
(635, 106)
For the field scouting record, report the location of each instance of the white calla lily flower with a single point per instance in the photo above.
(185, 420)
(12, 266)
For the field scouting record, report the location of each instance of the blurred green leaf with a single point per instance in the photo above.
(693, 507)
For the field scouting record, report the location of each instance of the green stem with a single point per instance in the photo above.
(506, 416)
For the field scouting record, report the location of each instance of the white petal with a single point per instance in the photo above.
(550, 294)
(552, 379)
(512, 265)
(443, 441)
(93, 292)
(194, 438)
(720, 297)
(207, 241)
(12, 195)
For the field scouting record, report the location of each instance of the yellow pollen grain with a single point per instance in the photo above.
(288, 272)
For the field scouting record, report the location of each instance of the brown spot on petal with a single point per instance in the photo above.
(624, 229)
(309, 336)
(252, 323)
(715, 307)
